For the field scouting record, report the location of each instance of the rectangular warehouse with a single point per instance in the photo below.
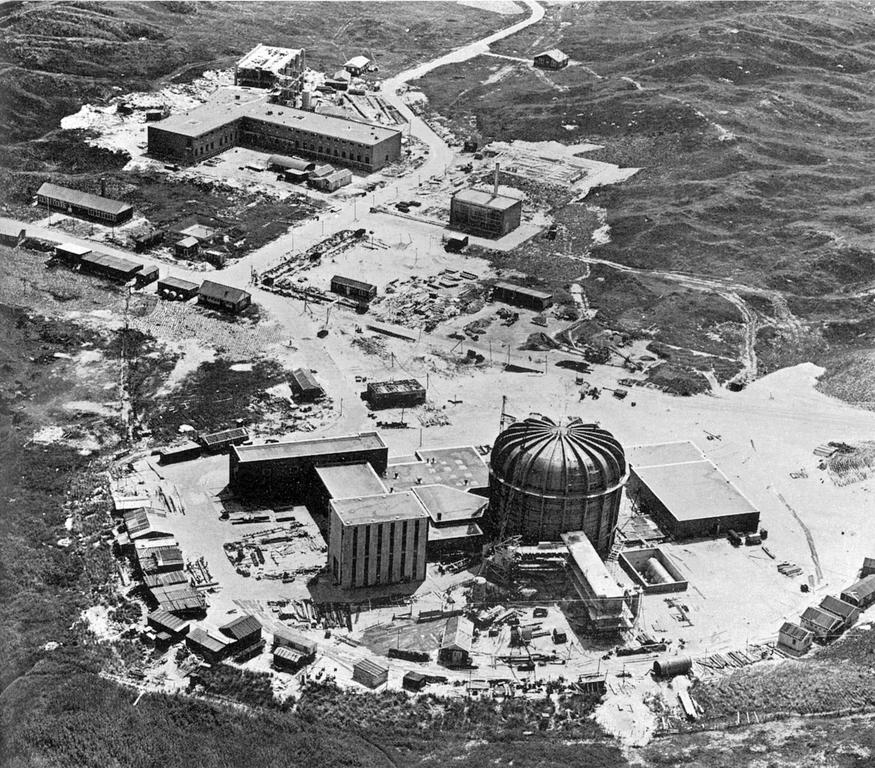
(485, 213)
(402, 393)
(83, 204)
(686, 494)
(177, 289)
(245, 117)
(288, 469)
(113, 267)
(354, 289)
(304, 385)
(520, 296)
(377, 540)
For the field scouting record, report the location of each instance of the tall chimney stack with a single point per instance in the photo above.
(103, 187)
(495, 182)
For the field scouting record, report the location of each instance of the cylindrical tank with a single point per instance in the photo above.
(656, 572)
(679, 665)
(546, 479)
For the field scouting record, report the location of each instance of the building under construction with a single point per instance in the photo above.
(401, 393)
(267, 66)
(488, 214)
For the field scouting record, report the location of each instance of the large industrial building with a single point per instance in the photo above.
(546, 479)
(288, 469)
(488, 214)
(246, 117)
(266, 66)
(377, 540)
(686, 494)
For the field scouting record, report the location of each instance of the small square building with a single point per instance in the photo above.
(487, 214)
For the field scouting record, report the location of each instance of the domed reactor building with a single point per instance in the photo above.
(546, 479)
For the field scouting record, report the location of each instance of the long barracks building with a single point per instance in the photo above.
(243, 117)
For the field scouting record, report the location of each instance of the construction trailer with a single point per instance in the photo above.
(377, 540)
(112, 267)
(304, 385)
(223, 297)
(372, 673)
(177, 289)
(521, 296)
(458, 637)
(287, 469)
(83, 205)
(685, 493)
(216, 442)
(794, 637)
(823, 625)
(861, 593)
(400, 393)
(353, 289)
(552, 59)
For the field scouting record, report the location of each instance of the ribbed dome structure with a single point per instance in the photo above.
(547, 479)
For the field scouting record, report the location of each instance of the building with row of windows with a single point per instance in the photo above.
(240, 116)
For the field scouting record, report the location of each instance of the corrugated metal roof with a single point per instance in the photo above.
(167, 620)
(199, 637)
(838, 607)
(789, 629)
(371, 667)
(862, 589)
(241, 627)
(221, 292)
(105, 260)
(291, 163)
(287, 653)
(458, 634)
(820, 618)
(305, 380)
(166, 579)
(177, 283)
(285, 636)
(223, 436)
(84, 199)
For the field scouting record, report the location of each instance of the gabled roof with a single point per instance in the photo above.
(140, 523)
(822, 619)
(188, 242)
(861, 589)
(167, 579)
(202, 638)
(794, 631)
(555, 54)
(84, 199)
(241, 627)
(458, 634)
(167, 620)
(221, 292)
(371, 666)
(839, 607)
(359, 62)
(283, 636)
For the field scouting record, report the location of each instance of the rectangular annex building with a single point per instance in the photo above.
(354, 289)
(520, 296)
(177, 289)
(113, 267)
(377, 540)
(288, 469)
(223, 297)
(485, 213)
(686, 494)
(83, 204)
(237, 116)
(402, 393)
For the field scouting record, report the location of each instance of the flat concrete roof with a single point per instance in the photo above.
(269, 57)
(457, 531)
(320, 446)
(346, 480)
(382, 508)
(586, 560)
(445, 504)
(460, 467)
(228, 104)
(660, 454)
(695, 490)
(486, 199)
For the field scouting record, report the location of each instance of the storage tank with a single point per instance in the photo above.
(546, 479)
(680, 665)
(656, 572)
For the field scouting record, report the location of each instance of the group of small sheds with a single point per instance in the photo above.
(239, 638)
(826, 621)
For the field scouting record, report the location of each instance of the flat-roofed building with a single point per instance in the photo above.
(485, 213)
(71, 253)
(245, 117)
(187, 247)
(461, 467)
(215, 442)
(794, 637)
(603, 602)
(687, 494)
(454, 517)
(400, 393)
(267, 65)
(343, 481)
(112, 267)
(377, 540)
(287, 469)
(521, 296)
(354, 289)
(83, 204)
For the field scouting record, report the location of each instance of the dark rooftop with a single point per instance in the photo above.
(222, 292)
(241, 627)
